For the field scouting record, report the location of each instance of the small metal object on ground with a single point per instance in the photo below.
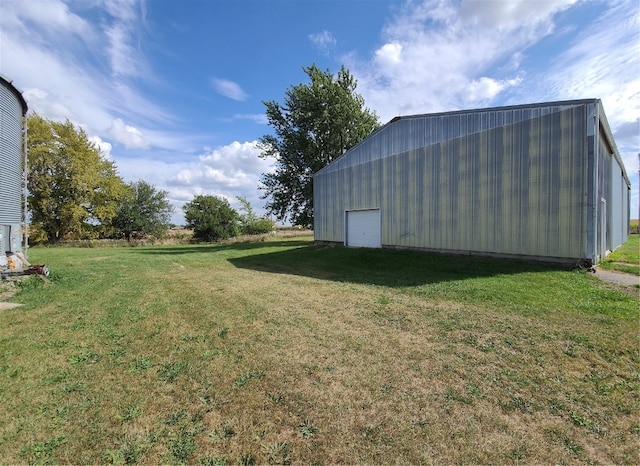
(37, 270)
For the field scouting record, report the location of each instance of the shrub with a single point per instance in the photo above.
(211, 218)
(259, 227)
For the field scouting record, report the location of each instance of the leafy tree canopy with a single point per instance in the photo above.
(144, 211)
(250, 223)
(74, 192)
(211, 218)
(317, 123)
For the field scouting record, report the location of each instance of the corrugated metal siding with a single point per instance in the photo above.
(10, 157)
(508, 182)
(413, 132)
(619, 217)
(604, 192)
(613, 189)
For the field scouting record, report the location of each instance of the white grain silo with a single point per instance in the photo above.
(13, 109)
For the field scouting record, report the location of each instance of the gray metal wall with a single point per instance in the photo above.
(613, 189)
(10, 156)
(609, 189)
(507, 181)
(412, 132)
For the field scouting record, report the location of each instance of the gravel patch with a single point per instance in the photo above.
(619, 278)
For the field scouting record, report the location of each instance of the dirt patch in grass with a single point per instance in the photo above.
(7, 289)
(5, 305)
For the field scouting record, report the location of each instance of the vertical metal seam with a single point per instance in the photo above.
(594, 194)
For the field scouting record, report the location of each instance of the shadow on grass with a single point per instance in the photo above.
(385, 267)
(213, 247)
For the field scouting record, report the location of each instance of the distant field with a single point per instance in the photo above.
(280, 352)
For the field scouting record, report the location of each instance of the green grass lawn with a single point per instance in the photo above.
(626, 258)
(280, 352)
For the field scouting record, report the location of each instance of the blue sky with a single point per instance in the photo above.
(172, 91)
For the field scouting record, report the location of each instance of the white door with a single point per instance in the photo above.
(363, 228)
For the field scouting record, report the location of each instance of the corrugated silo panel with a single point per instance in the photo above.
(10, 156)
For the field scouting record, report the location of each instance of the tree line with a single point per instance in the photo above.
(76, 193)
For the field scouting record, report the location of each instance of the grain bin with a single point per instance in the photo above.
(13, 109)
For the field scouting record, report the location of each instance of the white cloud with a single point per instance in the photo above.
(53, 87)
(483, 90)
(47, 107)
(121, 53)
(443, 55)
(389, 54)
(601, 62)
(53, 17)
(512, 13)
(103, 146)
(130, 136)
(323, 40)
(58, 57)
(228, 89)
(128, 100)
(231, 166)
(124, 10)
(121, 31)
(226, 171)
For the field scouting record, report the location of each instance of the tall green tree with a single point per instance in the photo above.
(250, 223)
(74, 192)
(144, 211)
(317, 123)
(211, 218)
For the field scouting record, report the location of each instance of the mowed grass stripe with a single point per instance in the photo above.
(281, 352)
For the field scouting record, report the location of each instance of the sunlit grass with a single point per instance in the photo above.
(626, 258)
(283, 352)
